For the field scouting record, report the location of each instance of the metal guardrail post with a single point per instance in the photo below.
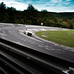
(71, 70)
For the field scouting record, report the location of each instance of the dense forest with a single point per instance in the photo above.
(34, 17)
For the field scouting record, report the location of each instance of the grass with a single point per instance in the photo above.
(61, 37)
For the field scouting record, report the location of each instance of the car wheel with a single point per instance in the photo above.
(29, 34)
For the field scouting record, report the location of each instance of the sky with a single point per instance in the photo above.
(49, 5)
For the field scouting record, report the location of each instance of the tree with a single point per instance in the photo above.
(11, 13)
(10, 9)
(58, 22)
(44, 11)
(31, 8)
(72, 23)
(2, 7)
(65, 24)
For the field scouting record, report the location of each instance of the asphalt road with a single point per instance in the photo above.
(13, 34)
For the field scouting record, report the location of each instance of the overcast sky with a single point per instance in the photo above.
(49, 5)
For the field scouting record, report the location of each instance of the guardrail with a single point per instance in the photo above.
(19, 59)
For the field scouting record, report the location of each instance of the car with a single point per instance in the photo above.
(28, 32)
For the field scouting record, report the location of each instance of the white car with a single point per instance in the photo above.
(28, 32)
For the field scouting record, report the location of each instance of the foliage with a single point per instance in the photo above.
(72, 23)
(31, 8)
(44, 11)
(58, 22)
(2, 7)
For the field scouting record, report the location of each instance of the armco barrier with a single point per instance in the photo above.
(20, 59)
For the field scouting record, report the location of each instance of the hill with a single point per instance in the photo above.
(67, 15)
(34, 17)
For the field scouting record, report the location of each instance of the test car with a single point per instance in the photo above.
(28, 32)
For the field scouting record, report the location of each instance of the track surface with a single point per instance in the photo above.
(12, 34)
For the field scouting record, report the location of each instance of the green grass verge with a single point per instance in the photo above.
(61, 37)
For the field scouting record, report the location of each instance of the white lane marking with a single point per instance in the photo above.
(2, 34)
(2, 37)
(33, 42)
(39, 30)
(30, 41)
(47, 47)
(35, 29)
(43, 45)
(51, 48)
(18, 43)
(24, 40)
(43, 29)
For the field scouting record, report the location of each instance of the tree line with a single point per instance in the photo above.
(34, 17)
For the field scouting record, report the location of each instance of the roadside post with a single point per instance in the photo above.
(41, 24)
